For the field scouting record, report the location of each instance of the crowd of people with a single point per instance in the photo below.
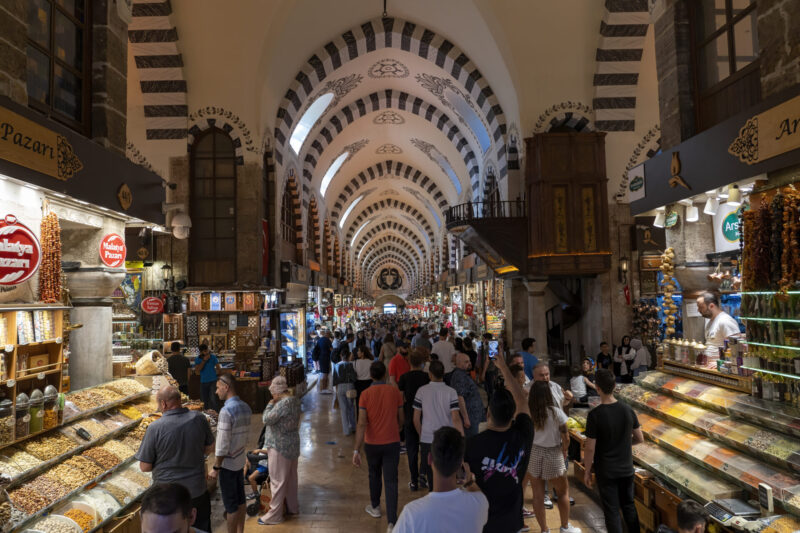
(477, 424)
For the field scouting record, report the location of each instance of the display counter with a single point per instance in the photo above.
(80, 474)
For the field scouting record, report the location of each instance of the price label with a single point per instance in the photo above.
(10, 383)
(58, 340)
(9, 347)
(40, 375)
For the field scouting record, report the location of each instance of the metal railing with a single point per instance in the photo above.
(463, 213)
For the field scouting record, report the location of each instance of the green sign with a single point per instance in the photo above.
(730, 227)
(637, 183)
(671, 220)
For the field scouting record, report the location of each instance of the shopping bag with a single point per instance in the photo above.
(265, 498)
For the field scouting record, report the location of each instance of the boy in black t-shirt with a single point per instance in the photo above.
(409, 383)
(499, 455)
(611, 431)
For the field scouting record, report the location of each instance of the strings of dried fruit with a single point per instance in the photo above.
(50, 270)
(776, 244)
(748, 225)
(760, 248)
(791, 258)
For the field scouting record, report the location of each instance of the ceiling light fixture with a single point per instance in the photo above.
(659, 221)
(692, 214)
(712, 205)
(734, 196)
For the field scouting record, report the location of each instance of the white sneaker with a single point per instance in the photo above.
(548, 504)
(390, 528)
(374, 512)
(570, 529)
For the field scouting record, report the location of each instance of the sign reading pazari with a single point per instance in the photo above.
(30, 145)
(768, 134)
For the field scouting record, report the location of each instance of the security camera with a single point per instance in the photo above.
(181, 224)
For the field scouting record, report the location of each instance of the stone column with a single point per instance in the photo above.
(90, 346)
(537, 316)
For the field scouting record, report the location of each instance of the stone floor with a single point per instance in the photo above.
(333, 493)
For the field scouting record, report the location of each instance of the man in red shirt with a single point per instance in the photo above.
(379, 423)
(399, 365)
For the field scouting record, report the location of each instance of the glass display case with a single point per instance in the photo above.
(293, 336)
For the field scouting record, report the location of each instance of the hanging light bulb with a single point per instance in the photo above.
(659, 221)
(692, 214)
(734, 196)
(712, 205)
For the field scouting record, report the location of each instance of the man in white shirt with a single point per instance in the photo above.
(435, 405)
(444, 350)
(455, 505)
(719, 324)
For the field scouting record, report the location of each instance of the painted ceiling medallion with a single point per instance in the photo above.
(340, 87)
(389, 117)
(356, 146)
(389, 148)
(389, 279)
(388, 68)
(431, 151)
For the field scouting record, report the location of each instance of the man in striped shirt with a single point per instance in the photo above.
(233, 429)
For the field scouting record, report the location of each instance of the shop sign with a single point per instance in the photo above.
(636, 189)
(671, 220)
(152, 305)
(769, 134)
(726, 228)
(124, 196)
(32, 146)
(112, 250)
(20, 252)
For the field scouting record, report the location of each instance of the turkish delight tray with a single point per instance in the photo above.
(777, 416)
(686, 476)
(779, 449)
(721, 460)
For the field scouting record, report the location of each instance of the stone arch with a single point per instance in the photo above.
(647, 147)
(312, 229)
(386, 227)
(389, 299)
(419, 255)
(389, 99)
(218, 117)
(390, 255)
(375, 253)
(572, 115)
(384, 204)
(383, 33)
(619, 56)
(154, 45)
(389, 168)
(294, 193)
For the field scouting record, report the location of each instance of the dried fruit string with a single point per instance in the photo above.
(50, 270)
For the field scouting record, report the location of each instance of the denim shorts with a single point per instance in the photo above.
(231, 484)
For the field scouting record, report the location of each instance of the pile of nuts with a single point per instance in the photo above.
(85, 400)
(125, 387)
(84, 466)
(108, 395)
(7, 429)
(136, 477)
(48, 487)
(27, 500)
(69, 476)
(95, 428)
(120, 495)
(49, 446)
(131, 442)
(118, 449)
(130, 412)
(84, 520)
(53, 525)
(102, 457)
(22, 460)
(5, 513)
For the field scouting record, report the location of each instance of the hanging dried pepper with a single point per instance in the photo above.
(50, 270)
(776, 244)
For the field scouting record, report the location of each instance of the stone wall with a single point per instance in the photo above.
(779, 43)
(673, 67)
(109, 75)
(13, 61)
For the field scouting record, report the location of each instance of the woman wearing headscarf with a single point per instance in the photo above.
(623, 357)
(388, 349)
(282, 443)
(641, 361)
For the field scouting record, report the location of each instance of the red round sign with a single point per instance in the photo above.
(20, 253)
(112, 250)
(152, 305)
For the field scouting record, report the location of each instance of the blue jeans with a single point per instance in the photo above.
(346, 407)
(208, 391)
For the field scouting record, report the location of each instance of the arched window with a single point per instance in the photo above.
(288, 231)
(213, 210)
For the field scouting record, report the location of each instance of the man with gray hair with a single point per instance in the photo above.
(174, 449)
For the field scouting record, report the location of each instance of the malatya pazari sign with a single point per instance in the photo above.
(30, 145)
(768, 134)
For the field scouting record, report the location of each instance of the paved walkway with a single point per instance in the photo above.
(333, 493)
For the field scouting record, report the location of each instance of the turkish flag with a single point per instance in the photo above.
(469, 309)
(329, 310)
(455, 308)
